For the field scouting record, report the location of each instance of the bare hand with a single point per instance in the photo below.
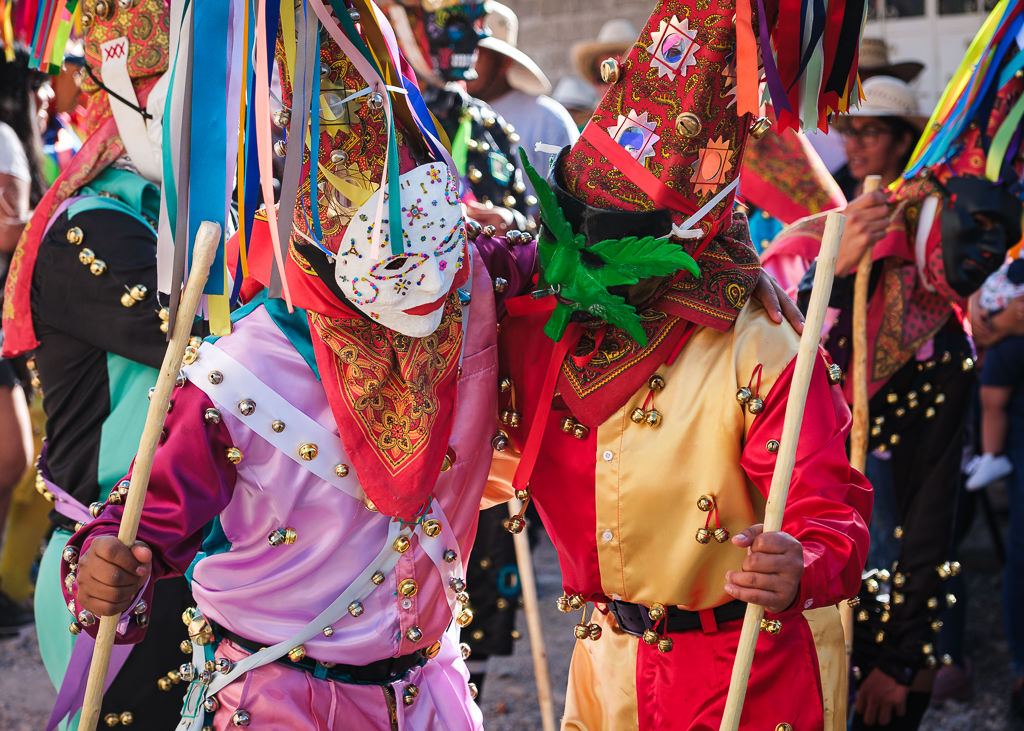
(771, 571)
(879, 696)
(776, 302)
(867, 218)
(502, 219)
(110, 575)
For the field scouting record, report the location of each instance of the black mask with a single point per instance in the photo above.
(970, 250)
(453, 36)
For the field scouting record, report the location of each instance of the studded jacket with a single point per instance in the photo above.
(251, 495)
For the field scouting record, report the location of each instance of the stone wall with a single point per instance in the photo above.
(548, 28)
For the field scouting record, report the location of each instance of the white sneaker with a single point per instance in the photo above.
(987, 470)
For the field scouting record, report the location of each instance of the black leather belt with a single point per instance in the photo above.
(634, 618)
(382, 672)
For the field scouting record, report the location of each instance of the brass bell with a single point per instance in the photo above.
(947, 659)
(581, 631)
(111, 719)
(562, 603)
(933, 603)
(211, 704)
(580, 432)
(191, 355)
(950, 600)
(75, 628)
(377, 578)
(408, 587)
(871, 585)
(127, 301)
(898, 598)
(650, 637)
(281, 148)
(164, 684)
(241, 718)
(955, 568)
(576, 601)
(432, 528)
(656, 383)
(282, 117)
(610, 71)
(771, 626)
(277, 425)
(943, 570)
(835, 374)
(505, 385)
(743, 395)
(703, 535)
(246, 407)
(523, 495)
(86, 257)
(409, 695)
(341, 470)
(688, 125)
(515, 524)
(355, 609)
(721, 535)
(95, 509)
(296, 654)
(567, 424)
(863, 616)
(772, 446)
(506, 416)
(75, 235)
(931, 662)
(234, 455)
(450, 556)
(98, 267)
(880, 637)
(595, 631)
(755, 406)
(759, 127)
(883, 574)
(185, 647)
(499, 442)
(656, 612)
(665, 644)
(653, 418)
(200, 631)
(899, 579)
(705, 503)
(638, 415)
(967, 364)
(308, 452)
(475, 176)
(891, 397)
(414, 634)
(401, 544)
(509, 201)
(784, 727)
(375, 101)
(211, 416)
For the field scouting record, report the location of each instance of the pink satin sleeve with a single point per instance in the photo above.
(191, 482)
(829, 502)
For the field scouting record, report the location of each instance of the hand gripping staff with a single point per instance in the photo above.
(207, 240)
(779, 489)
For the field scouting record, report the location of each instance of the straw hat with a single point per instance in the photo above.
(615, 38)
(887, 96)
(874, 61)
(503, 26)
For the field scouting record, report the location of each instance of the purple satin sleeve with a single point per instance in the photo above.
(191, 482)
(516, 264)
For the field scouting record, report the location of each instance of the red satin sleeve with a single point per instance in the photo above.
(191, 482)
(829, 502)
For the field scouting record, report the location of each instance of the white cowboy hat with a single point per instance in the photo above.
(572, 92)
(615, 38)
(503, 27)
(887, 96)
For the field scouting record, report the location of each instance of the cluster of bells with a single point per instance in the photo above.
(746, 398)
(688, 124)
(86, 256)
(651, 417)
(85, 618)
(516, 524)
(706, 504)
(119, 719)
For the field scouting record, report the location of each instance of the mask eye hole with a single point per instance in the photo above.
(396, 264)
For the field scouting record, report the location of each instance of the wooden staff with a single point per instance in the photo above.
(859, 375)
(530, 605)
(207, 241)
(779, 490)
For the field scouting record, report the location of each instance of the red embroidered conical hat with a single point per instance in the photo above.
(671, 130)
